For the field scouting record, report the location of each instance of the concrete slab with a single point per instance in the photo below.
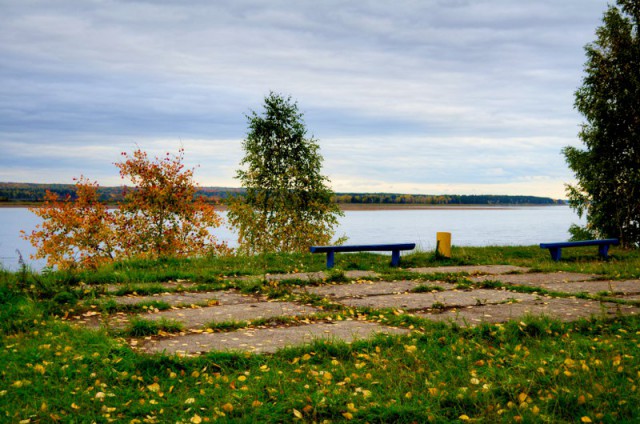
(186, 298)
(470, 269)
(199, 317)
(536, 279)
(446, 298)
(370, 288)
(594, 287)
(267, 340)
(309, 276)
(564, 309)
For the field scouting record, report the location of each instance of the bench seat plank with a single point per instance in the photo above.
(555, 249)
(393, 248)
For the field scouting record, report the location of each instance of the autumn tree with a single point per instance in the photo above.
(74, 232)
(608, 168)
(288, 205)
(159, 216)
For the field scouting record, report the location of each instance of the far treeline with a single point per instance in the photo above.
(35, 193)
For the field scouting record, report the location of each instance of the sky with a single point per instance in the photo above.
(403, 96)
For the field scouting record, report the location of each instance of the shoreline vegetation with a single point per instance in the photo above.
(32, 195)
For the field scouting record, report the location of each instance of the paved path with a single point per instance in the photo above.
(433, 300)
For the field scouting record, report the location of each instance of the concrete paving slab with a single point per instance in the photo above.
(470, 269)
(310, 276)
(447, 298)
(594, 287)
(199, 317)
(536, 279)
(564, 309)
(267, 340)
(370, 288)
(186, 298)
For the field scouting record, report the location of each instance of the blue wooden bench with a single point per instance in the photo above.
(556, 248)
(393, 248)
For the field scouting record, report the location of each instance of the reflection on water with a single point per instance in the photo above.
(469, 227)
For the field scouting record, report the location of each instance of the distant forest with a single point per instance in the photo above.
(25, 192)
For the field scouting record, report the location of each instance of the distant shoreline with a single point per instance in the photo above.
(350, 206)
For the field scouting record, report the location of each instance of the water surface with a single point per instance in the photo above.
(469, 227)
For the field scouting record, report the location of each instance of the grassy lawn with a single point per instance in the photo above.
(534, 370)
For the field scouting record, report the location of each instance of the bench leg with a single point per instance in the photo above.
(395, 257)
(603, 250)
(556, 253)
(330, 259)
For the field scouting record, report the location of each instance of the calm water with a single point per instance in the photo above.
(469, 227)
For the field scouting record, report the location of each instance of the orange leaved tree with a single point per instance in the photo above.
(74, 233)
(159, 217)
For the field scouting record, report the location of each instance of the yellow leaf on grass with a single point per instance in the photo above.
(39, 368)
(196, 419)
(190, 400)
(586, 419)
(347, 415)
(227, 407)
(155, 387)
(464, 417)
(297, 413)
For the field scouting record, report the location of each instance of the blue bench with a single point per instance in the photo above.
(556, 248)
(393, 248)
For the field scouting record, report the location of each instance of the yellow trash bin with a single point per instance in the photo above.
(443, 241)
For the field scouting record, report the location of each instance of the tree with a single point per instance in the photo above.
(74, 233)
(608, 169)
(160, 216)
(288, 205)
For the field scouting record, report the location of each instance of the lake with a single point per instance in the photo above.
(468, 227)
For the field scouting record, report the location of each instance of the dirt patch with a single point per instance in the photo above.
(470, 269)
(448, 298)
(266, 340)
(370, 288)
(564, 309)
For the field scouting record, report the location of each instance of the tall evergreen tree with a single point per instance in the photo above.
(288, 205)
(608, 169)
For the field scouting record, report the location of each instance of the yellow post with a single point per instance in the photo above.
(443, 241)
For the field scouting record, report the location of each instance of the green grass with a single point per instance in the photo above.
(536, 370)
(530, 370)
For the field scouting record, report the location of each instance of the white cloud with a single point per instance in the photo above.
(438, 95)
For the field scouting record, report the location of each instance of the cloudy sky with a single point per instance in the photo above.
(413, 96)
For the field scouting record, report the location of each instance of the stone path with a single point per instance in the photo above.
(564, 309)
(443, 299)
(470, 269)
(186, 298)
(369, 288)
(443, 303)
(267, 340)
